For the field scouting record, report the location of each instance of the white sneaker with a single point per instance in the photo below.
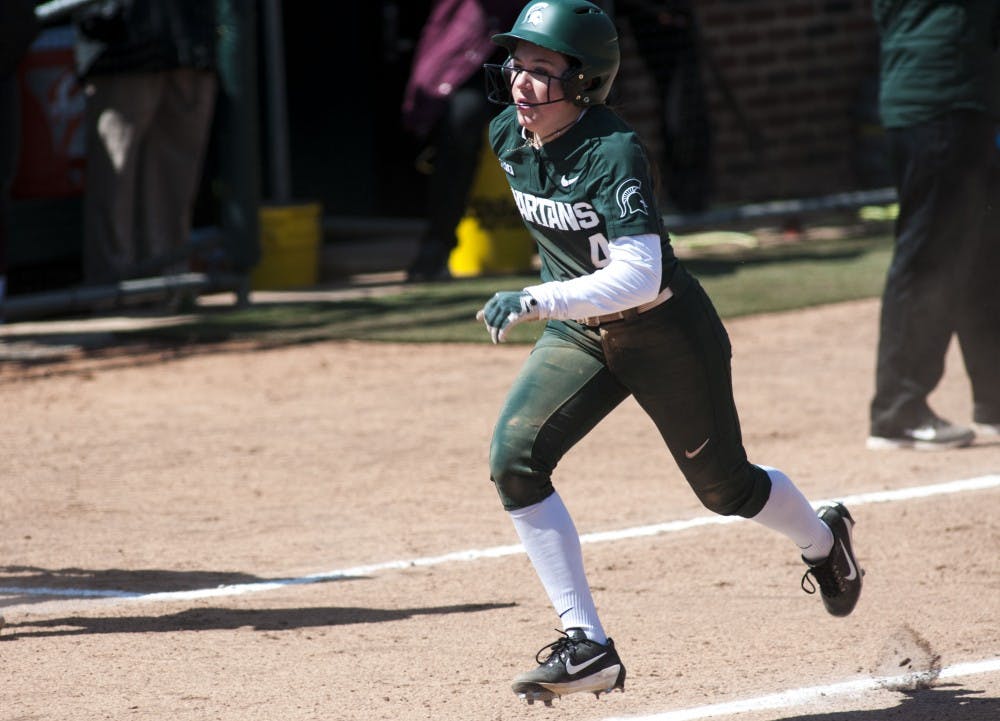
(986, 429)
(932, 435)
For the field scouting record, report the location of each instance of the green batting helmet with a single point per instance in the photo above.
(581, 31)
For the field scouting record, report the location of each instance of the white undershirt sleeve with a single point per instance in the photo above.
(631, 278)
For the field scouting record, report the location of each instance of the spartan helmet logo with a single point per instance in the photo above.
(535, 14)
(630, 200)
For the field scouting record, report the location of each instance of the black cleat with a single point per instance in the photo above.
(575, 664)
(839, 576)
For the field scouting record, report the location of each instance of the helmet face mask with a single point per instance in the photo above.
(501, 78)
(577, 29)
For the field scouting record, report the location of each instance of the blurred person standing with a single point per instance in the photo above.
(938, 73)
(150, 84)
(444, 104)
(986, 414)
(18, 28)
(667, 39)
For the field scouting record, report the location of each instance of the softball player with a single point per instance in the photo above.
(624, 318)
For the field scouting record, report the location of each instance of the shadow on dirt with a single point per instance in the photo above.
(29, 584)
(945, 702)
(229, 619)
(411, 318)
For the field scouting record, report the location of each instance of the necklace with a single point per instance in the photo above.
(537, 142)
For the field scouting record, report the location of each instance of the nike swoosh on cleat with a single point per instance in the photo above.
(571, 669)
(691, 454)
(854, 571)
(566, 182)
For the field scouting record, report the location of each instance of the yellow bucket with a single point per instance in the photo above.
(492, 239)
(289, 247)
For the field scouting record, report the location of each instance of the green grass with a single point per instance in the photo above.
(741, 283)
(796, 276)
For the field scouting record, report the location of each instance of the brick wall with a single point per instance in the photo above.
(802, 74)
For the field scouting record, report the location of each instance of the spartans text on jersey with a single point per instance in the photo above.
(554, 213)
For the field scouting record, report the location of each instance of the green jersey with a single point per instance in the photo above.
(581, 191)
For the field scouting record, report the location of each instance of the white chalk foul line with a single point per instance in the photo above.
(902, 494)
(801, 696)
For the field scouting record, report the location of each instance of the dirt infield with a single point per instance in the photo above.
(147, 501)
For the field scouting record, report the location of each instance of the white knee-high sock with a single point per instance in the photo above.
(787, 511)
(553, 545)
